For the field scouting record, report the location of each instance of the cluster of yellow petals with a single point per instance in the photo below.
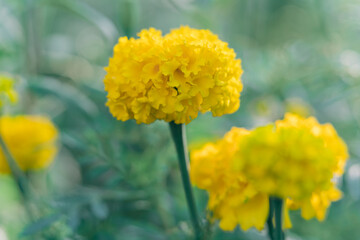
(7, 91)
(326, 132)
(295, 159)
(317, 204)
(232, 199)
(31, 141)
(172, 77)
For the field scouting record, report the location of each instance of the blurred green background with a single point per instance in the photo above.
(120, 180)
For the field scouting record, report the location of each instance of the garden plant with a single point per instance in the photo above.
(172, 119)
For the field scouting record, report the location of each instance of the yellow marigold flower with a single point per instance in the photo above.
(30, 139)
(172, 77)
(293, 159)
(7, 90)
(232, 199)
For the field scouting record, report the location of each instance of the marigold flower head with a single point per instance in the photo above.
(31, 141)
(232, 199)
(7, 91)
(172, 77)
(293, 159)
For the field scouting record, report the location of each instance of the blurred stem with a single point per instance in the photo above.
(15, 170)
(128, 16)
(270, 219)
(207, 230)
(18, 175)
(32, 44)
(179, 136)
(278, 208)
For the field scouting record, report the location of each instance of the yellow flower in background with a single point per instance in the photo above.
(295, 159)
(292, 159)
(172, 77)
(298, 106)
(7, 91)
(232, 199)
(30, 139)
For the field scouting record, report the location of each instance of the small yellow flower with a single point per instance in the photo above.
(7, 90)
(298, 106)
(172, 77)
(30, 139)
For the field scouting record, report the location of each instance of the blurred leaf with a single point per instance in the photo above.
(64, 91)
(100, 209)
(97, 171)
(40, 225)
(82, 9)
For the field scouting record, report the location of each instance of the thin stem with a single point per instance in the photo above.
(18, 175)
(270, 219)
(278, 205)
(32, 54)
(179, 136)
(16, 171)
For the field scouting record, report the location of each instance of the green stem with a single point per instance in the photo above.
(278, 205)
(32, 43)
(18, 175)
(16, 171)
(179, 136)
(270, 219)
